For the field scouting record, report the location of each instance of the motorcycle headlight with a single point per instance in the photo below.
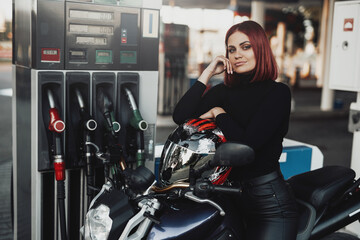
(98, 223)
(108, 215)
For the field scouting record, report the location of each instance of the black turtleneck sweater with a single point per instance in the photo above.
(257, 114)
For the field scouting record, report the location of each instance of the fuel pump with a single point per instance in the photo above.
(56, 127)
(82, 51)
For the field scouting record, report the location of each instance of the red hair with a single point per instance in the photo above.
(265, 67)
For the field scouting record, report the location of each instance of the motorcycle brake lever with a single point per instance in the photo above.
(151, 217)
(191, 196)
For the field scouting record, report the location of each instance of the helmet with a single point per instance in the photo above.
(191, 144)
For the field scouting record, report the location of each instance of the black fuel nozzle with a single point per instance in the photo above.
(87, 121)
(106, 107)
(87, 127)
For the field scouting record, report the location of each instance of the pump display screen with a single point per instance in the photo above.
(128, 57)
(103, 36)
(91, 29)
(78, 55)
(103, 56)
(91, 15)
(91, 41)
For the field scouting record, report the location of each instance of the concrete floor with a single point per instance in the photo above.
(327, 130)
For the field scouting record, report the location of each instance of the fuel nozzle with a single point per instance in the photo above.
(136, 121)
(88, 123)
(106, 107)
(140, 125)
(88, 126)
(55, 124)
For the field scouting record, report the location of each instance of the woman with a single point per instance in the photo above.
(253, 109)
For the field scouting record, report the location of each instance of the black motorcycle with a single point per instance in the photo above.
(328, 198)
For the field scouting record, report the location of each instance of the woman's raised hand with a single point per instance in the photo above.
(218, 65)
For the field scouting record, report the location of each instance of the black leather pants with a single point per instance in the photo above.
(269, 208)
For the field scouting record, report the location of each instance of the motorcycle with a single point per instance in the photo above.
(136, 208)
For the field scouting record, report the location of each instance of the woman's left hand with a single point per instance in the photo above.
(212, 113)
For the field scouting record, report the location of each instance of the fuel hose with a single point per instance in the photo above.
(56, 127)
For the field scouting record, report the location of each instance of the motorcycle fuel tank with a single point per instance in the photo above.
(185, 220)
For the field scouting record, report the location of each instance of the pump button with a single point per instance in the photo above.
(116, 126)
(91, 124)
(78, 56)
(128, 57)
(59, 126)
(123, 35)
(104, 57)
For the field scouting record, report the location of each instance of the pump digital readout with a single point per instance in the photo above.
(91, 29)
(91, 40)
(91, 15)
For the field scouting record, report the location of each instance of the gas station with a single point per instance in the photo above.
(89, 81)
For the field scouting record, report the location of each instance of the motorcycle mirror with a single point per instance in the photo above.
(232, 154)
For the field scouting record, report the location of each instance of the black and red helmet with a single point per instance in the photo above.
(191, 144)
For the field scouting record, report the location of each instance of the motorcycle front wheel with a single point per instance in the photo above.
(340, 236)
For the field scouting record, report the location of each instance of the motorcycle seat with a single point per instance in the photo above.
(307, 216)
(319, 186)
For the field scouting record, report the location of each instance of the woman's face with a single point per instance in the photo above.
(240, 53)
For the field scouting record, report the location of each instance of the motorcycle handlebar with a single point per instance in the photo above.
(204, 188)
(224, 189)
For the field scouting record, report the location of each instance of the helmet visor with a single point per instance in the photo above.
(176, 162)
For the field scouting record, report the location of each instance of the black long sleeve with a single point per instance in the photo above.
(269, 117)
(257, 114)
(194, 102)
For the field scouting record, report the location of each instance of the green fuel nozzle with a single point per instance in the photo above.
(106, 107)
(136, 121)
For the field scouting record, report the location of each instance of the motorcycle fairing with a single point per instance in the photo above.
(186, 220)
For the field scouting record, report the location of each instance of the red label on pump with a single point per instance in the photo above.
(50, 55)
